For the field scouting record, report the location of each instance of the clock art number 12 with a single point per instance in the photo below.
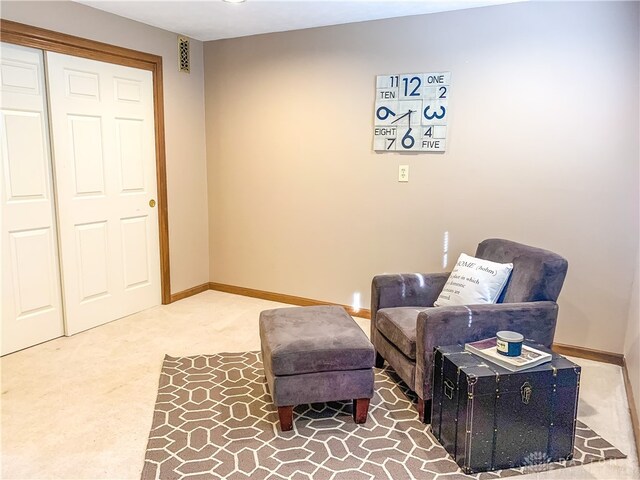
(411, 81)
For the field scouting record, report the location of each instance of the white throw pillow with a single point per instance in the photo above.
(474, 280)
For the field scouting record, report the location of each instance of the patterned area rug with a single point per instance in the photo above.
(214, 419)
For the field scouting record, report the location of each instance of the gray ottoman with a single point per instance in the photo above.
(315, 354)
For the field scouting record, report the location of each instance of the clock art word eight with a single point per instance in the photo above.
(411, 112)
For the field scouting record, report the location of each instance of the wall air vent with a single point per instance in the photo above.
(183, 54)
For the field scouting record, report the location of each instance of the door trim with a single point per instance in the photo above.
(48, 40)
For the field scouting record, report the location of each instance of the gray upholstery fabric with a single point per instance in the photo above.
(407, 289)
(527, 305)
(320, 387)
(315, 354)
(404, 290)
(398, 325)
(537, 274)
(461, 324)
(403, 366)
(313, 339)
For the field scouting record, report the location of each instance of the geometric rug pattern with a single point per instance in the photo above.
(214, 419)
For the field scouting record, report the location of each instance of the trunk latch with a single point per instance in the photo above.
(525, 392)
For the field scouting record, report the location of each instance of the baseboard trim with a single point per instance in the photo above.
(589, 354)
(563, 349)
(282, 298)
(189, 292)
(635, 421)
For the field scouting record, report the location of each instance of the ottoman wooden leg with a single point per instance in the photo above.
(360, 409)
(286, 418)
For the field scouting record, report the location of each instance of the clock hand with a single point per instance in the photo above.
(400, 118)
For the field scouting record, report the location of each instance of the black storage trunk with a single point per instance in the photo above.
(489, 418)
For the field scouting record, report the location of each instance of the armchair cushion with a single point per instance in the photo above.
(398, 325)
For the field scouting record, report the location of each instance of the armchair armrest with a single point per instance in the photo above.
(404, 290)
(468, 323)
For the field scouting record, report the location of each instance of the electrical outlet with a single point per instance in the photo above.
(403, 173)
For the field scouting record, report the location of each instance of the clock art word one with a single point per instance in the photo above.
(411, 112)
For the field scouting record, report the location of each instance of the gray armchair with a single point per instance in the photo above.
(406, 327)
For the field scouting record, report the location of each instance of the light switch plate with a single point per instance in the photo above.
(403, 173)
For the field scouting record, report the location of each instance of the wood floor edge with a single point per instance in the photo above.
(189, 292)
(282, 298)
(589, 353)
(635, 421)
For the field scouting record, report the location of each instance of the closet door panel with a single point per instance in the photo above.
(27, 163)
(92, 253)
(104, 149)
(31, 297)
(87, 161)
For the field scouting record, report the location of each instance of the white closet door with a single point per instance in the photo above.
(31, 302)
(104, 156)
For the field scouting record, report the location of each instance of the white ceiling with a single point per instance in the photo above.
(215, 19)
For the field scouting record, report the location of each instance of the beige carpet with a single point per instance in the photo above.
(214, 419)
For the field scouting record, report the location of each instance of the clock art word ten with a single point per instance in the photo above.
(411, 112)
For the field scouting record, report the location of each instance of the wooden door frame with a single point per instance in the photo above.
(48, 40)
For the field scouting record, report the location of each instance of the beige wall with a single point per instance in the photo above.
(184, 121)
(543, 149)
(632, 344)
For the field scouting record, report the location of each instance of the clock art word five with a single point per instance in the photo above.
(411, 112)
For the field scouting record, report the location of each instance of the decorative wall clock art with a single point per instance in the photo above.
(411, 112)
